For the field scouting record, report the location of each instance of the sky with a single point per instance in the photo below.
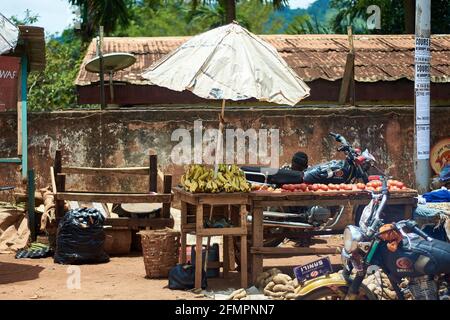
(56, 15)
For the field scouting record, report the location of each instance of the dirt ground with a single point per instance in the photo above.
(121, 278)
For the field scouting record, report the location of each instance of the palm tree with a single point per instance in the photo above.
(106, 13)
(228, 7)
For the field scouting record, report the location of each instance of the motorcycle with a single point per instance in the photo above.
(353, 169)
(402, 251)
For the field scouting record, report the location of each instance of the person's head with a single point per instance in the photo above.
(299, 161)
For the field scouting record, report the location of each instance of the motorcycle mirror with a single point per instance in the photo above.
(368, 156)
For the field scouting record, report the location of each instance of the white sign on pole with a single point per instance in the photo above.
(422, 63)
(423, 141)
(422, 107)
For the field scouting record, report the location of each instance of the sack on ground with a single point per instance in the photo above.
(80, 238)
(182, 277)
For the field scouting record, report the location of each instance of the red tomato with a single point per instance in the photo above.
(400, 185)
(361, 186)
(303, 186)
(348, 187)
(324, 187)
(371, 188)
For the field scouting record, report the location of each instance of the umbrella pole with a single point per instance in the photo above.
(219, 148)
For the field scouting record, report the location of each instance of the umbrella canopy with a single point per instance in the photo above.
(9, 34)
(229, 63)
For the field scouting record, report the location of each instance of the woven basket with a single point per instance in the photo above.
(160, 251)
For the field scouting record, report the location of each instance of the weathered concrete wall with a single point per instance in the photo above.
(124, 137)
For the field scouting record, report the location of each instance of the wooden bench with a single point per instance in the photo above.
(58, 174)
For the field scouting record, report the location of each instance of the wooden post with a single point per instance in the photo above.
(244, 268)
(244, 272)
(198, 247)
(23, 137)
(257, 241)
(167, 189)
(57, 165)
(183, 223)
(348, 79)
(226, 257)
(153, 177)
(352, 76)
(231, 256)
(60, 187)
(30, 205)
(19, 112)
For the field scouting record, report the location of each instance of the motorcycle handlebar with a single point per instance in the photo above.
(412, 226)
(339, 138)
(419, 232)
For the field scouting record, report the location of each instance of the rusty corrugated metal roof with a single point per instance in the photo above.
(377, 57)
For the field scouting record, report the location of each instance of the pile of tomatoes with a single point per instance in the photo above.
(374, 185)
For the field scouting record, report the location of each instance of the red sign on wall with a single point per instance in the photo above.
(9, 74)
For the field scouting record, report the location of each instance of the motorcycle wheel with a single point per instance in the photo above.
(326, 293)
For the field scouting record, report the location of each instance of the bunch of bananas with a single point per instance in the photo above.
(229, 178)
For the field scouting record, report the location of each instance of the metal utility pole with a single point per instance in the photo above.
(102, 75)
(422, 95)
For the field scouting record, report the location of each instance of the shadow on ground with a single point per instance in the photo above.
(14, 272)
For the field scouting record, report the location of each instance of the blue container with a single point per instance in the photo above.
(213, 256)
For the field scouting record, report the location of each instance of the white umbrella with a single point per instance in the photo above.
(9, 34)
(229, 63)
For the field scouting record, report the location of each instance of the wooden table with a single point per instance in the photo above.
(261, 200)
(194, 204)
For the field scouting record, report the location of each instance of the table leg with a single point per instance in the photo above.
(198, 246)
(244, 271)
(408, 212)
(226, 258)
(183, 222)
(231, 256)
(257, 241)
(198, 262)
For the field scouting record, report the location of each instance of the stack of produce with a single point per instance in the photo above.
(199, 178)
(375, 185)
(276, 285)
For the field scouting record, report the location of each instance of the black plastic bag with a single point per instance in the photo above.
(182, 277)
(80, 238)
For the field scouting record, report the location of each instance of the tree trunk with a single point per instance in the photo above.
(409, 7)
(230, 11)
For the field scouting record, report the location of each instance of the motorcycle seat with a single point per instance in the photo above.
(437, 256)
(424, 215)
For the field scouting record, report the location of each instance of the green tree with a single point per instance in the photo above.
(305, 24)
(54, 87)
(107, 13)
(396, 16)
(29, 18)
(251, 14)
(229, 7)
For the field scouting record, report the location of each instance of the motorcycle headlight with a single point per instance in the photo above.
(352, 235)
